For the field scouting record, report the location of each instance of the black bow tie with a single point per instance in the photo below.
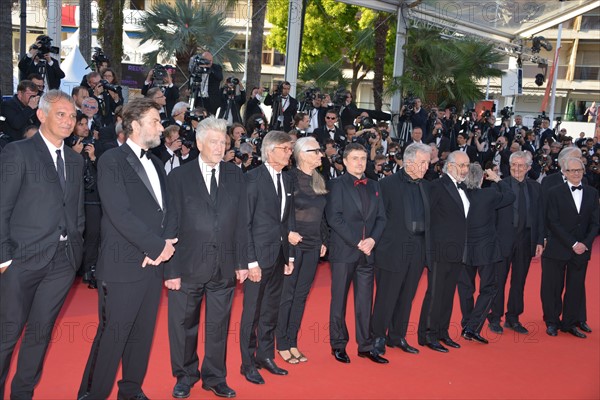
(284, 98)
(145, 153)
(461, 185)
(331, 130)
(574, 188)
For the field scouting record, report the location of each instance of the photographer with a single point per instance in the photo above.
(593, 171)
(332, 164)
(348, 110)
(471, 151)
(97, 91)
(284, 107)
(83, 143)
(330, 130)
(172, 152)
(164, 80)
(440, 140)
(39, 61)
(209, 76)
(20, 110)
(89, 108)
(316, 114)
(546, 132)
(499, 154)
(233, 96)
(253, 104)
(114, 90)
(375, 168)
(418, 116)
(301, 124)
(517, 127)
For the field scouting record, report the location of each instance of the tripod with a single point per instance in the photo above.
(277, 117)
(405, 132)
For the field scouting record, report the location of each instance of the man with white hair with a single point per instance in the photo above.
(572, 217)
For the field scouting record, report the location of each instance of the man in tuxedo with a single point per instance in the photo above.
(520, 227)
(441, 141)
(546, 132)
(42, 223)
(253, 104)
(284, 107)
(269, 202)
(208, 202)
(331, 164)
(471, 151)
(209, 95)
(135, 241)
(356, 215)
(34, 62)
(317, 113)
(401, 253)
(330, 130)
(516, 128)
(416, 136)
(572, 214)
(449, 207)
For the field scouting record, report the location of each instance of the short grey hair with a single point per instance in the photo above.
(410, 153)
(474, 177)
(521, 154)
(180, 107)
(210, 124)
(568, 152)
(451, 159)
(52, 96)
(565, 161)
(273, 139)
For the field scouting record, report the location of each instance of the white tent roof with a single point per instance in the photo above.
(74, 69)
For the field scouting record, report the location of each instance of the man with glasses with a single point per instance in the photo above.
(572, 216)
(449, 208)
(269, 204)
(159, 97)
(20, 110)
(330, 130)
(97, 91)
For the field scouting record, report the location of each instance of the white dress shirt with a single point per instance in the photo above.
(463, 196)
(150, 171)
(207, 172)
(577, 196)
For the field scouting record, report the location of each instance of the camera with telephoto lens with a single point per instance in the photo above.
(98, 57)
(507, 112)
(241, 156)
(45, 46)
(199, 65)
(518, 137)
(496, 146)
(160, 72)
(387, 167)
(190, 116)
(366, 123)
(409, 105)
(110, 86)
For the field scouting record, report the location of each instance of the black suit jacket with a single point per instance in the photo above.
(395, 247)
(267, 231)
(448, 222)
(471, 152)
(18, 117)
(210, 235)
(32, 204)
(443, 146)
(348, 223)
(53, 73)
(252, 108)
(567, 226)
(322, 134)
(133, 223)
(483, 244)
(288, 114)
(505, 218)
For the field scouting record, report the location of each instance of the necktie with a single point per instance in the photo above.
(60, 169)
(213, 186)
(279, 194)
(574, 188)
(360, 182)
(461, 185)
(145, 153)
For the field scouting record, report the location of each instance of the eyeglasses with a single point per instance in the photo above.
(90, 107)
(284, 148)
(574, 171)
(461, 165)
(314, 151)
(334, 118)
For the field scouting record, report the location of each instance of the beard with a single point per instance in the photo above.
(150, 141)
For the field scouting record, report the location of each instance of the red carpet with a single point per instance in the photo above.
(511, 366)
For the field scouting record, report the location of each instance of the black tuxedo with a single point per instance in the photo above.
(35, 212)
(288, 114)
(268, 245)
(351, 220)
(566, 227)
(547, 133)
(54, 74)
(206, 267)
(18, 117)
(483, 254)
(443, 146)
(448, 239)
(322, 134)
(520, 231)
(471, 152)
(401, 253)
(321, 112)
(171, 95)
(134, 226)
(325, 169)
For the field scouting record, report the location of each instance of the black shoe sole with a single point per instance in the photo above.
(210, 389)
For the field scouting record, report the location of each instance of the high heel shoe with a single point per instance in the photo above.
(287, 356)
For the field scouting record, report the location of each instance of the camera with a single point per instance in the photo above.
(98, 57)
(199, 65)
(45, 46)
(190, 116)
(507, 112)
(496, 146)
(241, 156)
(366, 123)
(233, 80)
(387, 167)
(88, 140)
(110, 86)
(518, 137)
(160, 72)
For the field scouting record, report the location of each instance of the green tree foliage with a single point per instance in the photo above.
(183, 30)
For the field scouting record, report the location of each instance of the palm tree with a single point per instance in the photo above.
(445, 71)
(85, 29)
(110, 30)
(382, 27)
(183, 30)
(6, 47)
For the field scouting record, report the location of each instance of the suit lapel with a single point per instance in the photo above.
(353, 192)
(137, 166)
(451, 188)
(570, 200)
(48, 164)
(200, 184)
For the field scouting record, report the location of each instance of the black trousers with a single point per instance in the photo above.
(434, 321)
(475, 312)
(360, 274)
(127, 317)
(184, 321)
(395, 293)
(554, 275)
(91, 237)
(30, 301)
(293, 297)
(518, 265)
(259, 315)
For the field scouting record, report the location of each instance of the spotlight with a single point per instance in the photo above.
(540, 42)
(539, 79)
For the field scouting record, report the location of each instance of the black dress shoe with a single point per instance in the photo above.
(495, 327)
(405, 347)
(270, 366)
(435, 346)
(252, 376)
(379, 345)
(517, 327)
(575, 332)
(584, 327)
(341, 355)
(373, 356)
(470, 335)
(139, 396)
(181, 390)
(450, 343)
(552, 330)
(220, 389)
